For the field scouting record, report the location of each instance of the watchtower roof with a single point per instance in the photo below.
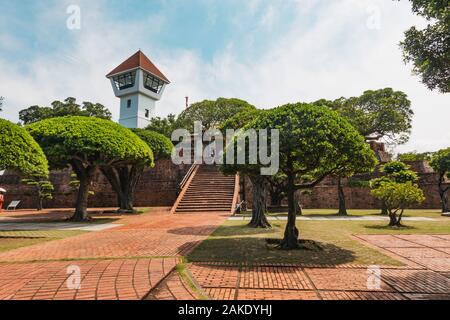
(139, 60)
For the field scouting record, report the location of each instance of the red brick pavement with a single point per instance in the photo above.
(172, 288)
(123, 263)
(124, 279)
(143, 236)
(298, 283)
(426, 275)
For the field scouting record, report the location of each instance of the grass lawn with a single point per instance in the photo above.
(427, 213)
(10, 240)
(235, 242)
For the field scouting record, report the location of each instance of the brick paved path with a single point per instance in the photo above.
(305, 283)
(127, 262)
(143, 236)
(124, 279)
(136, 260)
(425, 276)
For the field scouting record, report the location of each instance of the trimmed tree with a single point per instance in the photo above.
(87, 144)
(440, 162)
(211, 113)
(20, 152)
(314, 142)
(125, 176)
(398, 197)
(395, 171)
(259, 182)
(43, 190)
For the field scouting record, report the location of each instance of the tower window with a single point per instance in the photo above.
(129, 103)
(152, 83)
(125, 81)
(147, 113)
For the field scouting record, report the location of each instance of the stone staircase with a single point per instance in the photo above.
(207, 190)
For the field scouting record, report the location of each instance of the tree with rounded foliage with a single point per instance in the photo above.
(259, 182)
(164, 126)
(211, 113)
(440, 162)
(398, 196)
(314, 142)
(125, 176)
(394, 171)
(20, 152)
(88, 144)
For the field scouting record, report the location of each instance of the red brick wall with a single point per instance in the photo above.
(158, 187)
(325, 196)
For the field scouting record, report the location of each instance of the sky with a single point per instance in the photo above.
(268, 52)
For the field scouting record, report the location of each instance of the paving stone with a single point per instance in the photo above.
(360, 295)
(274, 278)
(252, 294)
(343, 279)
(101, 279)
(427, 240)
(389, 241)
(416, 281)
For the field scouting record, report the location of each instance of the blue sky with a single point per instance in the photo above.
(268, 52)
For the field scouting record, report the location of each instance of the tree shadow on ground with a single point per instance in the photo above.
(193, 231)
(255, 250)
(388, 228)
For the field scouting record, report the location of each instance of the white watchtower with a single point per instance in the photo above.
(139, 84)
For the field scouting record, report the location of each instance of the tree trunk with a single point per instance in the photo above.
(298, 205)
(444, 201)
(84, 175)
(384, 209)
(259, 207)
(394, 220)
(290, 240)
(276, 198)
(341, 194)
(444, 196)
(39, 204)
(124, 180)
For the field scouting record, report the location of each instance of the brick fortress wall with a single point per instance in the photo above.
(325, 195)
(158, 187)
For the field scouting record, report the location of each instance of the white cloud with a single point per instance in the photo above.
(336, 55)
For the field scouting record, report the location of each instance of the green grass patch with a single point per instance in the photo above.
(10, 240)
(426, 213)
(235, 242)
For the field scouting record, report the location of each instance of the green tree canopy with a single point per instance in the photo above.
(19, 151)
(159, 143)
(87, 144)
(398, 197)
(211, 113)
(259, 182)
(124, 177)
(414, 156)
(163, 126)
(377, 114)
(429, 49)
(314, 142)
(440, 162)
(68, 107)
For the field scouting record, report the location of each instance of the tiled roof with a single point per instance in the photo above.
(139, 60)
